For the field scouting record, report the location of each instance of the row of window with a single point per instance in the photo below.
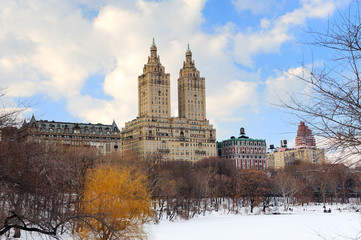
(243, 143)
(78, 131)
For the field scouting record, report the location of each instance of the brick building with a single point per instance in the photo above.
(244, 152)
(304, 136)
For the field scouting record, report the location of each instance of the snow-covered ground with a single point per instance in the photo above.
(301, 224)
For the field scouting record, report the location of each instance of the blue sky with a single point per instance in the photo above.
(79, 60)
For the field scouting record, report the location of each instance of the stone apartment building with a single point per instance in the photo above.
(104, 138)
(154, 132)
(285, 157)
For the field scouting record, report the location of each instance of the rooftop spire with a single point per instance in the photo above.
(153, 50)
(188, 55)
(32, 120)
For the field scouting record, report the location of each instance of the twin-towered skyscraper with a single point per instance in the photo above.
(154, 131)
(154, 89)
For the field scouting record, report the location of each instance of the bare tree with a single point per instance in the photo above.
(35, 189)
(321, 179)
(254, 185)
(287, 186)
(331, 103)
(9, 115)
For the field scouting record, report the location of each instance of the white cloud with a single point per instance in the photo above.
(232, 97)
(53, 47)
(100, 111)
(284, 86)
(276, 32)
(265, 23)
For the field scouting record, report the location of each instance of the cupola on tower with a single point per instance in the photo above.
(154, 88)
(191, 91)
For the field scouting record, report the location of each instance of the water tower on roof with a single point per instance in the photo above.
(242, 133)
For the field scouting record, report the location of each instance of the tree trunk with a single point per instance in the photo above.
(17, 233)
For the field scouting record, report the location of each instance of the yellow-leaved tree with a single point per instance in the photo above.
(116, 203)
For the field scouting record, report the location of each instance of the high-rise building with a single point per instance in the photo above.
(304, 136)
(154, 132)
(191, 91)
(154, 88)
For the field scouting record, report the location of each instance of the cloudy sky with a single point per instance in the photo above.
(78, 60)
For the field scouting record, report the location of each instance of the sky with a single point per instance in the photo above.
(79, 60)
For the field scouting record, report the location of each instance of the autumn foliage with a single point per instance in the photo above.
(117, 203)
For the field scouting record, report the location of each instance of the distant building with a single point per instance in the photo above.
(305, 151)
(104, 138)
(188, 137)
(285, 157)
(244, 152)
(304, 137)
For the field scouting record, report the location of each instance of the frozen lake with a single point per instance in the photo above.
(301, 224)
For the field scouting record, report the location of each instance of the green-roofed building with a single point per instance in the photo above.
(244, 152)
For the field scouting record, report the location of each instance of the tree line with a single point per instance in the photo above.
(184, 189)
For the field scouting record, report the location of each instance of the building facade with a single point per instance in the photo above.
(104, 138)
(191, 91)
(304, 137)
(154, 132)
(244, 152)
(305, 151)
(154, 88)
(285, 157)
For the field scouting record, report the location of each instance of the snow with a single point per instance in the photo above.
(311, 223)
(302, 223)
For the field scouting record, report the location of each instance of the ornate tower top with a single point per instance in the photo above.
(191, 91)
(154, 88)
(153, 50)
(188, 56)
(189, 63)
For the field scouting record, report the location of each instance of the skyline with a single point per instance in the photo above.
(79, 61)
